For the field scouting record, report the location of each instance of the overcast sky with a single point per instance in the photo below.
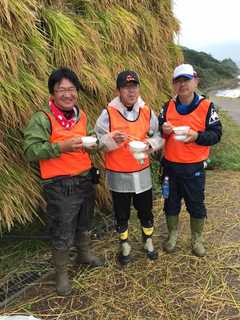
(208, 22)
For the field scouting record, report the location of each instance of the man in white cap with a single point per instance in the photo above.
(184, 155)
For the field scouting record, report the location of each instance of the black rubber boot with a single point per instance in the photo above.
(151, 253)
(124, 255)
(85, 254)
(60, 258)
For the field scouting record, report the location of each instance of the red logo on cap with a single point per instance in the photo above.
(130, 78)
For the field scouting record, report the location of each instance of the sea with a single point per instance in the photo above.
(230, 93)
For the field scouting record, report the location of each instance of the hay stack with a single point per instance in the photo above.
(95, 38)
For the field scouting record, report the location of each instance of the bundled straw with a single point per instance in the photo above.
(96, 39)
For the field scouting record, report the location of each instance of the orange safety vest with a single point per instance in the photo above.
(177, 151)
(122, 159)
(70, 163)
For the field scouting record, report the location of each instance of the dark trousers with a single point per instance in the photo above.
(142, 202)
(189, 186)
(70, 208)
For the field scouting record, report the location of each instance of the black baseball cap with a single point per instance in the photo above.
(125, 77)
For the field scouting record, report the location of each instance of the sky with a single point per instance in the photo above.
(208, 23)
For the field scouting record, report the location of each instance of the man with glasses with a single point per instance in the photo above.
(53, 138)
(127, 117)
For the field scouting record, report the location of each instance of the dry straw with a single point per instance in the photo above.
(97, 39)
(177, 286)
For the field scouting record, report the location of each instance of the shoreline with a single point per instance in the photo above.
(228, 104)
(225, 85)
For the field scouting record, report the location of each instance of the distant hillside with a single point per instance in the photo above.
(210, 70)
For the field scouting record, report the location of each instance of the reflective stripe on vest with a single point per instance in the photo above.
(70, 163)
(177, 151)
(122, 159)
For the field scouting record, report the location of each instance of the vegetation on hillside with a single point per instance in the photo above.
(97, 39)
(210, 70)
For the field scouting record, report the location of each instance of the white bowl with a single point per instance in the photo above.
(180, 137)
(137, 146)
(89, 141)
(181, 130)
(139, 155)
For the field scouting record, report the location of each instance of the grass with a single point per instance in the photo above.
(15, 255)
(226, 154)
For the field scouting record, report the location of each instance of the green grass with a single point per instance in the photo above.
(226, 154)
(15, 255)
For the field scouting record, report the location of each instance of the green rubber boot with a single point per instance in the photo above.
(172, 225)
(197, 240)
(60, 258)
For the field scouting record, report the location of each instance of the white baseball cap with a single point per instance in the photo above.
(184, 70)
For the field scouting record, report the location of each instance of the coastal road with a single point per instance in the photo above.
(231, 105)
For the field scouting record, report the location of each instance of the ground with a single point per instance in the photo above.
(179, 286)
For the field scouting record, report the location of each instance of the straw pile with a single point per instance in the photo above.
(95, 38)
(175, 287)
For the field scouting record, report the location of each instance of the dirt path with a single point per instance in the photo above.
(232, 106)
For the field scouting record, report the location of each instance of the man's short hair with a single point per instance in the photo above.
(63, 73)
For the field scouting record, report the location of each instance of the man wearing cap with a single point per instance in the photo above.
(183, 161)
(126, 118)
